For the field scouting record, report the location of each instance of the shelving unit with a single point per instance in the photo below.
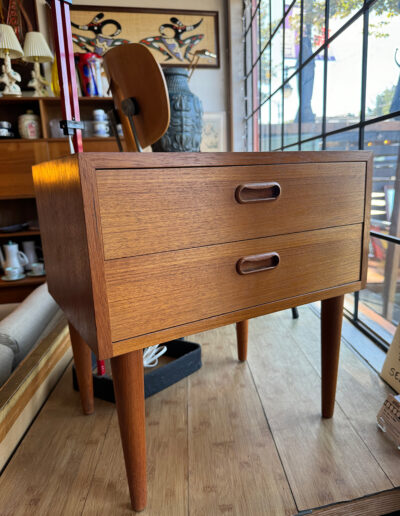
(17, 155)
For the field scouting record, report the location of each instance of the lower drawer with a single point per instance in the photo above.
(153, 292)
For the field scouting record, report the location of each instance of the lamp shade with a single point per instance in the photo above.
(9, 44)
(36, 48)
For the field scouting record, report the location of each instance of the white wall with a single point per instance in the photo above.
(211, 85)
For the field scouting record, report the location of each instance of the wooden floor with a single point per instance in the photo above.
(243, 439)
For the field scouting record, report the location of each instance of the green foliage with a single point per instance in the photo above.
(382, 103)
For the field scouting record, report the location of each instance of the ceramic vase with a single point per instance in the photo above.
(184, 131)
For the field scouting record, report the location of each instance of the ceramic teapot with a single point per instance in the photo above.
(29, 247)
(13, 257)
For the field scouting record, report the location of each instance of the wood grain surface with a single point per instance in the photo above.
(324, 459)
(80, 469)
(15, 162)
(233, 464)
(127, 372)
(152, 210)
(310, 261)
(64, 241)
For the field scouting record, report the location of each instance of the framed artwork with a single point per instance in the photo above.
(213, 138)
(175, 37)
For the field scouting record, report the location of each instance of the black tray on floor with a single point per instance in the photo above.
(187, 360)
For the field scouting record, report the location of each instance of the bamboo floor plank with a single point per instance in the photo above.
(51, 471)
(324, 460)
(167, 461)
(233, 464)
(210, 449)
(360, 391)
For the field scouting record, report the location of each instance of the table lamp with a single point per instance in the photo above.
(36, 51)
(9, 49)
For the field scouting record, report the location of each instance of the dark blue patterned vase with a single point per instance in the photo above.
(184, 131)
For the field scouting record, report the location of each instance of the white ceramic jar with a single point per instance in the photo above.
(29, 126)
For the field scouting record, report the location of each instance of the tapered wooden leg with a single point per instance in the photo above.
(128, 378)
(331, 331)
(242, 332)
(83, 368)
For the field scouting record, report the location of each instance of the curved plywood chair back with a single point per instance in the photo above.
(133, 72)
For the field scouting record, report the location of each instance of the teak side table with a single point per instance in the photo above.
(144, 248)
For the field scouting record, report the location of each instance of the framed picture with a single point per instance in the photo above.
(175, 37)
(213, 138)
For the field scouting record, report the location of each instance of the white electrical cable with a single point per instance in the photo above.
(152, 354)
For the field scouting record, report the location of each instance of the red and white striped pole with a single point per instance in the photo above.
(67, 78)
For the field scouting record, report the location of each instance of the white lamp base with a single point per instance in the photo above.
(38, 82)
(10, 78)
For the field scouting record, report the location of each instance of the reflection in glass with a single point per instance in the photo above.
(249, 134)
(291, 107)
(313, 145)
(291, 50)
(276, 59)
(313, 26)
(379, 304)
(383, 138)
(276, 121)
(264, 22)
(265, 73)
(312, 90)
(340, 12)
(255, 38)
(347, 140)
(249, 95)
(383, 72)
(248, 59)
(276, 13)
(264, 128)
(343, 100)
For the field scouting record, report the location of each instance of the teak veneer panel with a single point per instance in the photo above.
(197, 283)
(152, 210)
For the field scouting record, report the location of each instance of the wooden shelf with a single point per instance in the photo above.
(25, 282)
(52, 99)
(28, 232)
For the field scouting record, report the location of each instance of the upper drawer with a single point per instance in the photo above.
(162, 290)
(151, 210)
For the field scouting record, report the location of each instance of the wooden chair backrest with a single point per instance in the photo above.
(133, 72)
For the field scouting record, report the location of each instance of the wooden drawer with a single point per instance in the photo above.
(149, 293)
(152, 210)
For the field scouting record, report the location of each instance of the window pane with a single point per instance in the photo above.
(249, 134)
(380, 301)
(249, 59)
(276, 13)
(247, 13)
(292, 22)
(313, 26)
(264, 22)
(383, 138)
(347, 140)
(314, 145)
(264, 128)
(344, 77)
(249, 95)
(312, 91)
(265, 74)
(276, 60)
(291, 107)
(292, 148)
(383, 79)
(276, 121)
(340, 12)
(255, 38)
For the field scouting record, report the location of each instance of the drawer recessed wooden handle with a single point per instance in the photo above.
(257, 192)
(257, 263)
